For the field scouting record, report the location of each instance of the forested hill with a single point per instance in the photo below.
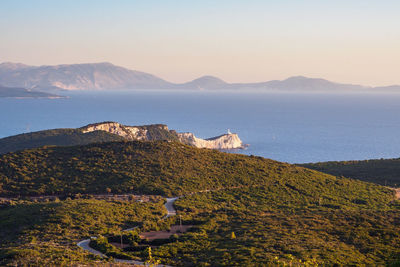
(165, 168)
(380, 171)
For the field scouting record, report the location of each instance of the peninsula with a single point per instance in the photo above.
(113, 132)
(16, 92)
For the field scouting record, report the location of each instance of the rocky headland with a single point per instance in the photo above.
(114, 132)
(225, 141)
(146, 133)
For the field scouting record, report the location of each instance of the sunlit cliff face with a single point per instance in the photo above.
(225, 141)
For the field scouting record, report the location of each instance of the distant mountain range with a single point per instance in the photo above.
(106, 76)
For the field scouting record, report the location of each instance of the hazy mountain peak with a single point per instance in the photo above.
(12, 66)
(209, 78)
(205, 82)
(314, 84)
(299, 78)
(95, 64)
(86, 76)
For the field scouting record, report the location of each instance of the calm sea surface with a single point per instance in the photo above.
(294, 128)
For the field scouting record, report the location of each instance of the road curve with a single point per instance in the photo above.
(169, 205)
(84, 244)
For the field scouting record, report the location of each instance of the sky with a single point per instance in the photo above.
(349, 41)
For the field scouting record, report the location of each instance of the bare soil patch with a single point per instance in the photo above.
(175, 229)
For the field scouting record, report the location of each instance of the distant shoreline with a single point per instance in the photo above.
(35, 97)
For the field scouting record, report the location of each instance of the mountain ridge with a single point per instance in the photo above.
(88, 76)
(107, 76)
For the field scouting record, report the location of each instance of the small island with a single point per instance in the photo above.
(17, 92)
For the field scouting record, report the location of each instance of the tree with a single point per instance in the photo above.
(233, 236)
(152, 261)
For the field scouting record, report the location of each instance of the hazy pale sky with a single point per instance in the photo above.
(354, 41)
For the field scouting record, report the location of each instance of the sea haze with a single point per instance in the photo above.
(295, 128)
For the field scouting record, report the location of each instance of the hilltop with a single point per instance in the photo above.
(142, 167)
(166, 168)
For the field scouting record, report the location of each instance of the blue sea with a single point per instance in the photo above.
(290, 127)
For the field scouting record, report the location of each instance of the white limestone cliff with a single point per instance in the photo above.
(128, 132)
(225, 141)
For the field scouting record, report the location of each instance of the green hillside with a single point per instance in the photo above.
(45, 234)
(164, 168)
(56, 137)
(380, 171)
(280, 225)
(259, 212)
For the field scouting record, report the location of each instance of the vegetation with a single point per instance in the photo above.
(45, 234)
(271, 226)
(162, 168)
(381, 171)
(280, 224)
(159, 132)
(245, 210)
(56, 137)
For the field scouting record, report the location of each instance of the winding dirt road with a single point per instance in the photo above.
(169, 206)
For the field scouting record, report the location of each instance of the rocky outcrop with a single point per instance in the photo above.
(128, 132)
(161, 132)
(225, 141)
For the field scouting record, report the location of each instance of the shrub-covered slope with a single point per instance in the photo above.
(278, 225)
(56, 137)
(165, 168)
(258, 212)
(380, 171)
(45, 234)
